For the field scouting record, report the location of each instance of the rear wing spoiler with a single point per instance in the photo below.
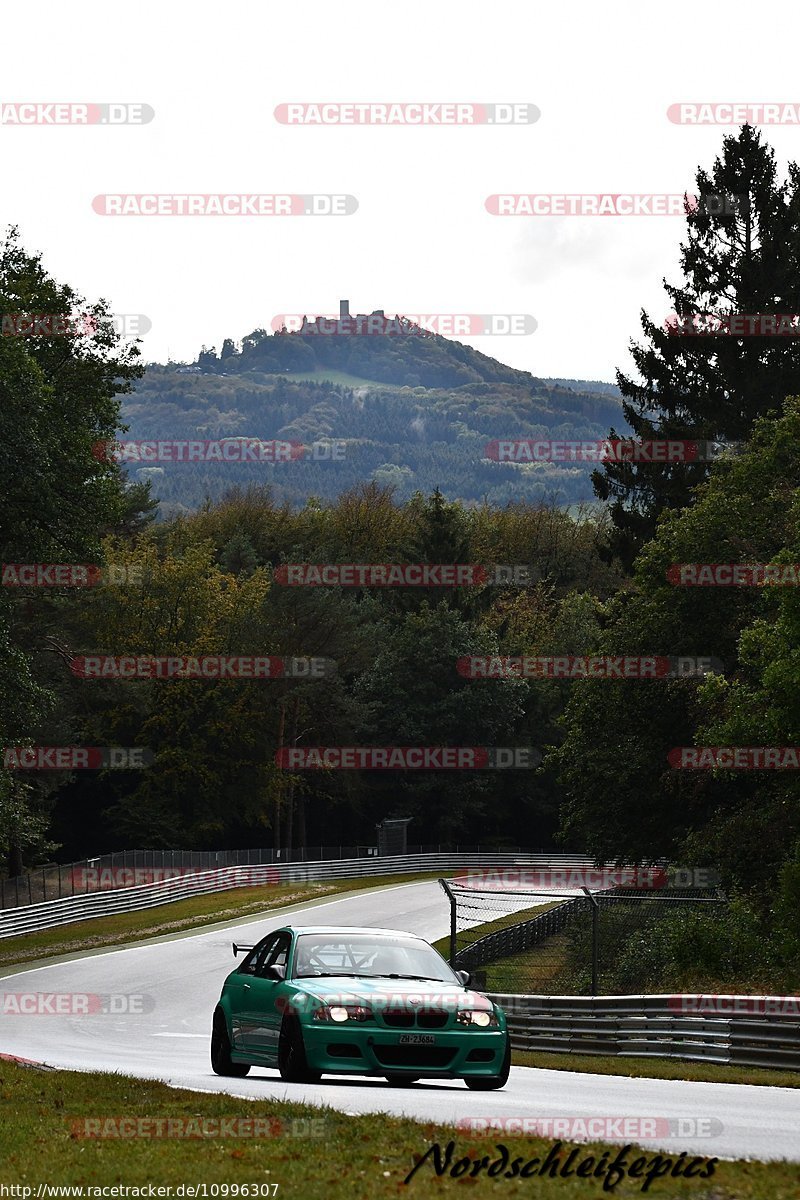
(241, 949)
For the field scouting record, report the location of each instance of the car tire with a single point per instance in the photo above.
(292, 1061)
(490, 1083)
(402, 1080)
(221, 1061)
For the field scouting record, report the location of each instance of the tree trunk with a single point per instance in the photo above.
(276, 817)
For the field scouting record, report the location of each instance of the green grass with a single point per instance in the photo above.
(180, 916)
(655, 1068)
(350, 1158)
(533, 971)
(329, 375)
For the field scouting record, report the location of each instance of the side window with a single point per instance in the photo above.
(254, 960)
(276, 954)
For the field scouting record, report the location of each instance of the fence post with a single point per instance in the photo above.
(443, 883)
(595, 935)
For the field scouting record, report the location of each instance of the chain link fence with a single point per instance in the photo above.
(577, 942)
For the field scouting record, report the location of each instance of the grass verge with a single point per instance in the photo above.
(310, 1152)
(178, 917)
(656, 1068)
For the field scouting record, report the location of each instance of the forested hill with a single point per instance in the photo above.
(413, 411)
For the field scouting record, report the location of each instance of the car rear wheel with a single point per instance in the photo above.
(292, 1061)
(402, 1080)
(490, 1083)
(221, 1061)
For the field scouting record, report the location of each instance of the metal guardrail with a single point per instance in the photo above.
(752, 1031)
(57, 880)
(51, 913)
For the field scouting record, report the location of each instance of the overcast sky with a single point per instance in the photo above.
(421, 241)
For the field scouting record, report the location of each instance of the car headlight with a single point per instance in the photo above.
(484, 1018)
(339, 1013)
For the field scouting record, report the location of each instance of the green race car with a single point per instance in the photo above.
(313, 1000)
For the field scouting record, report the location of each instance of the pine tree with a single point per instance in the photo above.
(740, 257)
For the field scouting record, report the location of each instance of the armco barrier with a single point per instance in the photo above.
(753, 1031)
(54, 881)
(50, 913)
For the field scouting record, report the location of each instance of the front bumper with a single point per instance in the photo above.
(356, 1049)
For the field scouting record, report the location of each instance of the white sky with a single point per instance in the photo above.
(602, 76)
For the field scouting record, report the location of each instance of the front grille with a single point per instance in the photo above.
(414, 1056)
(432, 1018)
(408, 1018)
(398, 1018)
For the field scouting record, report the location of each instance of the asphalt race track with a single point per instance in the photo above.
(182, 977)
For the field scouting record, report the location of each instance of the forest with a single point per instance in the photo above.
(204, 578)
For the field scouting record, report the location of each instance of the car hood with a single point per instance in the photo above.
(342, 990)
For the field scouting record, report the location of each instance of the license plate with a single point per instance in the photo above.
(417, 1039)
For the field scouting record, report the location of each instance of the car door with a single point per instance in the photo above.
(237, 991)
(262, 1015)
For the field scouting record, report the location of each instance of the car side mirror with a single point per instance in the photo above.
(277, 974)
(464, 976)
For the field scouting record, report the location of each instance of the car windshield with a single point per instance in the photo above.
(369, 956)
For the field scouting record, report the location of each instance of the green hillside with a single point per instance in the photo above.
(416, 412)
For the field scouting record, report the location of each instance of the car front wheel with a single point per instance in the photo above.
(292, 1062)
(221, 1062)
(490, 1083)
